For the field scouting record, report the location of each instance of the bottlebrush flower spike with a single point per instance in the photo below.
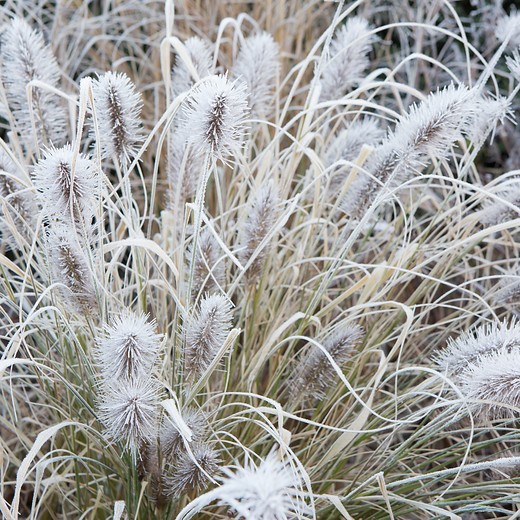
(185, 166)
(495, 379)
(25, 57)
(172, 444)
(315, 373)
(128, 409)
(67, 189)
(69, 266)
(257, 64)
(192, 473)
(20, 206)
(428, 130)
(348, 58)
(206, 333)
(130, 347)
(509, 27)
(270, 491)
(509, 293)
(208, 267)
(214, 116)
(118, 108)
(496, 212)
(201, 56)
(473, 345)
(262, 213)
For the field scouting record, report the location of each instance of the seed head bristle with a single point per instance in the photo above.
(201, 56)
(206, 333)
(118, 108)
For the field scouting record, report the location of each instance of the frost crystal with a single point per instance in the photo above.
(201, 56)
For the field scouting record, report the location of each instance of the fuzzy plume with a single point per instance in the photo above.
(185, 167)
(214, 115)
(208, 267)
(270, 491)
(497, 212)
(128, 409)
(508, 295)
(509, 27)
(346, 147)
(315, 375)
(69, 266)
(172, 444)
(258, 63)
(513, 64)
(473, 345)
(348, 59)
(192, 473)
(495, 379)
(25, 57)
(262, 213)
(130, 347)
(20, 207)
(428, 130)
(201, 56)
(68, 184)
(118, 108)
(206, 333)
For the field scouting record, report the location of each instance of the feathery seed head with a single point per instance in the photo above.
(257, 64)
(493, 377)
(478, 343)
(315, 374)
(509, 293)
(118, 108)
(128, 409)
(208, 268)
(69, 266)
(20, 207)
(201, 56)
(509, 27)
(130, 347)
(67, 189)
(262, 213)
(270, 491)
(206, 333)
(348, 58)
(214, 115)
(513, 63)
(171, 439)
(496, 212)
(193, 473)
(24, 57)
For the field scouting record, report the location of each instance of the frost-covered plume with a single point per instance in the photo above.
(513, 63)
(69, 266)
(185, 167)
(508, 27)
(208, 266)
(492, 385)
(18, 205)
(171, 440)
(24, 57)
(129, 348)
(68, 185)
(192, 472)
(206, 332)
(489, 113)
(128, 410)
(346, 147)
(257, 64)
(214, 116)
(497, 212)
(201, 56)
(118, 111)
(508, 294)
(428, 130)
(348, 58)
(476, 344)
(315, 373)
(261, 215)
(272, 490)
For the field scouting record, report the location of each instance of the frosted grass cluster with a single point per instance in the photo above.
(259, 263)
